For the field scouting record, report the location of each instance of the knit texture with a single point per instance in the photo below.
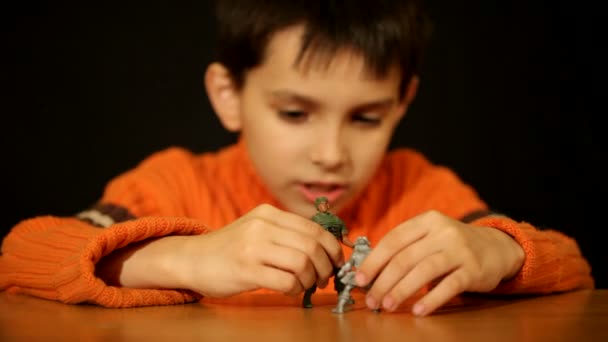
(176, 192)
(553, 260)
(54, 258)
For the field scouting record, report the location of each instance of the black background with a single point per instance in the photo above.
(508, 99)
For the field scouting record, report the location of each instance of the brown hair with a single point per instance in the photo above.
(384, 32)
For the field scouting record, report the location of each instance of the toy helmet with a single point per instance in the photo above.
(362, 240)
(320, 200)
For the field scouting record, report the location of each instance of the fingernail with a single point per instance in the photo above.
(361, 279)
(322, 284)
(388, 303)
(418, 309)
(371, 303)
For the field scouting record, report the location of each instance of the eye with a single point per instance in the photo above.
(367, 119)
(293, 115)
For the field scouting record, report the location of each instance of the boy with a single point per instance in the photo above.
(316, 90)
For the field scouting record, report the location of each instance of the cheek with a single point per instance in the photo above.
(261, 134)
(273, 151)
(276, 143)
(368, 154)
(367, 161)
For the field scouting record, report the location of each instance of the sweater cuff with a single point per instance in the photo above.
(63, 268)
(540, 271)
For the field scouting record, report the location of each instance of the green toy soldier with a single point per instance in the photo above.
(336, 226)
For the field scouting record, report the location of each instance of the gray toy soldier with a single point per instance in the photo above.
(336, 226)
(347, 272)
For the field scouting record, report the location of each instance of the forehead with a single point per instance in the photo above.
(282, 57)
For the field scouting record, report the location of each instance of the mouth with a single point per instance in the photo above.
(311, 191)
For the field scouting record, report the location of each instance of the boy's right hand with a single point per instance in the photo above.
(266, 248)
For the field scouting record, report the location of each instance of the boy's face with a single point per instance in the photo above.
(316, 129)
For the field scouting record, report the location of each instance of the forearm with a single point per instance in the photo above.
(151, 264)
(506, 241)
(516, 253)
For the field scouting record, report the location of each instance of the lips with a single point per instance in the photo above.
(332, 191)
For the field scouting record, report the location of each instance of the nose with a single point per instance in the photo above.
(328, 150)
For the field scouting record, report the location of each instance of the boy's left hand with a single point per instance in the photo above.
(433, 246)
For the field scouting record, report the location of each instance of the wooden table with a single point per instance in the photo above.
(574, 316)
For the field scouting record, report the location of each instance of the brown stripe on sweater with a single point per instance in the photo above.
(105, 214)
(477, 214)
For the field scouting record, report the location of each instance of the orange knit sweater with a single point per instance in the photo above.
(177, 192)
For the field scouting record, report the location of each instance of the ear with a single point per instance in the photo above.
(409, 95)
(223, 95)
(412, 89)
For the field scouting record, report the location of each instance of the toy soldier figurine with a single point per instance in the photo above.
(336, 226)
(347, 273)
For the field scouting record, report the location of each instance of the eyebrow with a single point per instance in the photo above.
(307, 102)
(289, 96)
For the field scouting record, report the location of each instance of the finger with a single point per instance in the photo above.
(309, 247)
(291, 260)
(451, 286)
(399, 267)
(426, 271)
(276, 279)
(391, 244)
(302, 225)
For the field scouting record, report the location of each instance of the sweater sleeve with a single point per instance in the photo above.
(553, 261)
(54, 258)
